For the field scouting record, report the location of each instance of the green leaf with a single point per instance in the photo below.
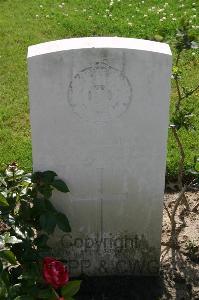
(3, 289)
(71, 288)
(60, 185)
(5, 277)
(48, 222)
(8, 256)
(19, 172)
(3, 181)
(45, 190)
(3, 201)
(38, 206)
(48, 176)
(49, 206)
(62, 222)
(47, 294)
(10, 239)
(14, 291)
(36, 177)
(9, 173)
(25, 210)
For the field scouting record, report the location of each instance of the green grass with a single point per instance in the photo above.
(23, 23)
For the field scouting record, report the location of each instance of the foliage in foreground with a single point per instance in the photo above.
(27, 219)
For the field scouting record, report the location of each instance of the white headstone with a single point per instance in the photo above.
(99, 115)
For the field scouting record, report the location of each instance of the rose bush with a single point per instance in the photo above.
(27, 219)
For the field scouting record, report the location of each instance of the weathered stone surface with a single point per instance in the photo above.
(99, 116)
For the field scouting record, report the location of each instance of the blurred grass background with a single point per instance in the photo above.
(24, 23)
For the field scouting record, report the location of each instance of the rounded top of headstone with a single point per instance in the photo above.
(98, 42)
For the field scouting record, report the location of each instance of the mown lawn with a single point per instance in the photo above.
(23, 23)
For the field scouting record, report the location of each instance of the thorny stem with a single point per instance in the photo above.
(178, 57)
(179, 95)
(177, 202)
(181, 198)
(171, 215)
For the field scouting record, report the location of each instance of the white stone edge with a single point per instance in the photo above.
(98, 42)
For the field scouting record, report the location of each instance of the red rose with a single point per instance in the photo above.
(54, 272)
